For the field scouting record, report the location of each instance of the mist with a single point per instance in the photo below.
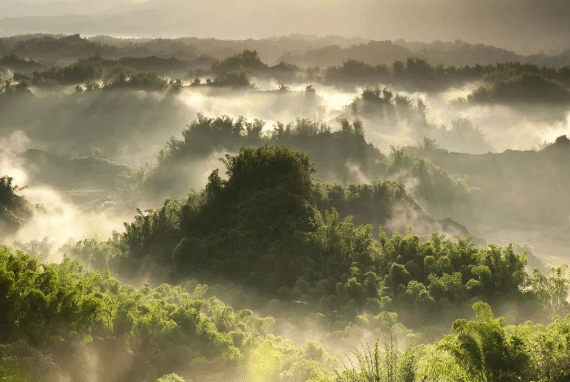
(130, 128)
(56, 219)
(193, 209)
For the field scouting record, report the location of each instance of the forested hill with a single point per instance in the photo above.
(268, 226)
(276, 241)
(341, 156)
(261, 228)
(517, 185)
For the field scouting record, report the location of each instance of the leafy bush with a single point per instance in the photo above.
(14, 209)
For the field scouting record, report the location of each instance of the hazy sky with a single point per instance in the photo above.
(522, 25)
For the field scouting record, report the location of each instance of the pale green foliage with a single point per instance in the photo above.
(170, 378)
(387, 363)
(483, 349)
(552, 290)
(437, 365)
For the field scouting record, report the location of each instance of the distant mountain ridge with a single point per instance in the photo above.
(457, 53)
(302, 50)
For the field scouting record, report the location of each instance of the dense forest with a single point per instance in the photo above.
(208, 210)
